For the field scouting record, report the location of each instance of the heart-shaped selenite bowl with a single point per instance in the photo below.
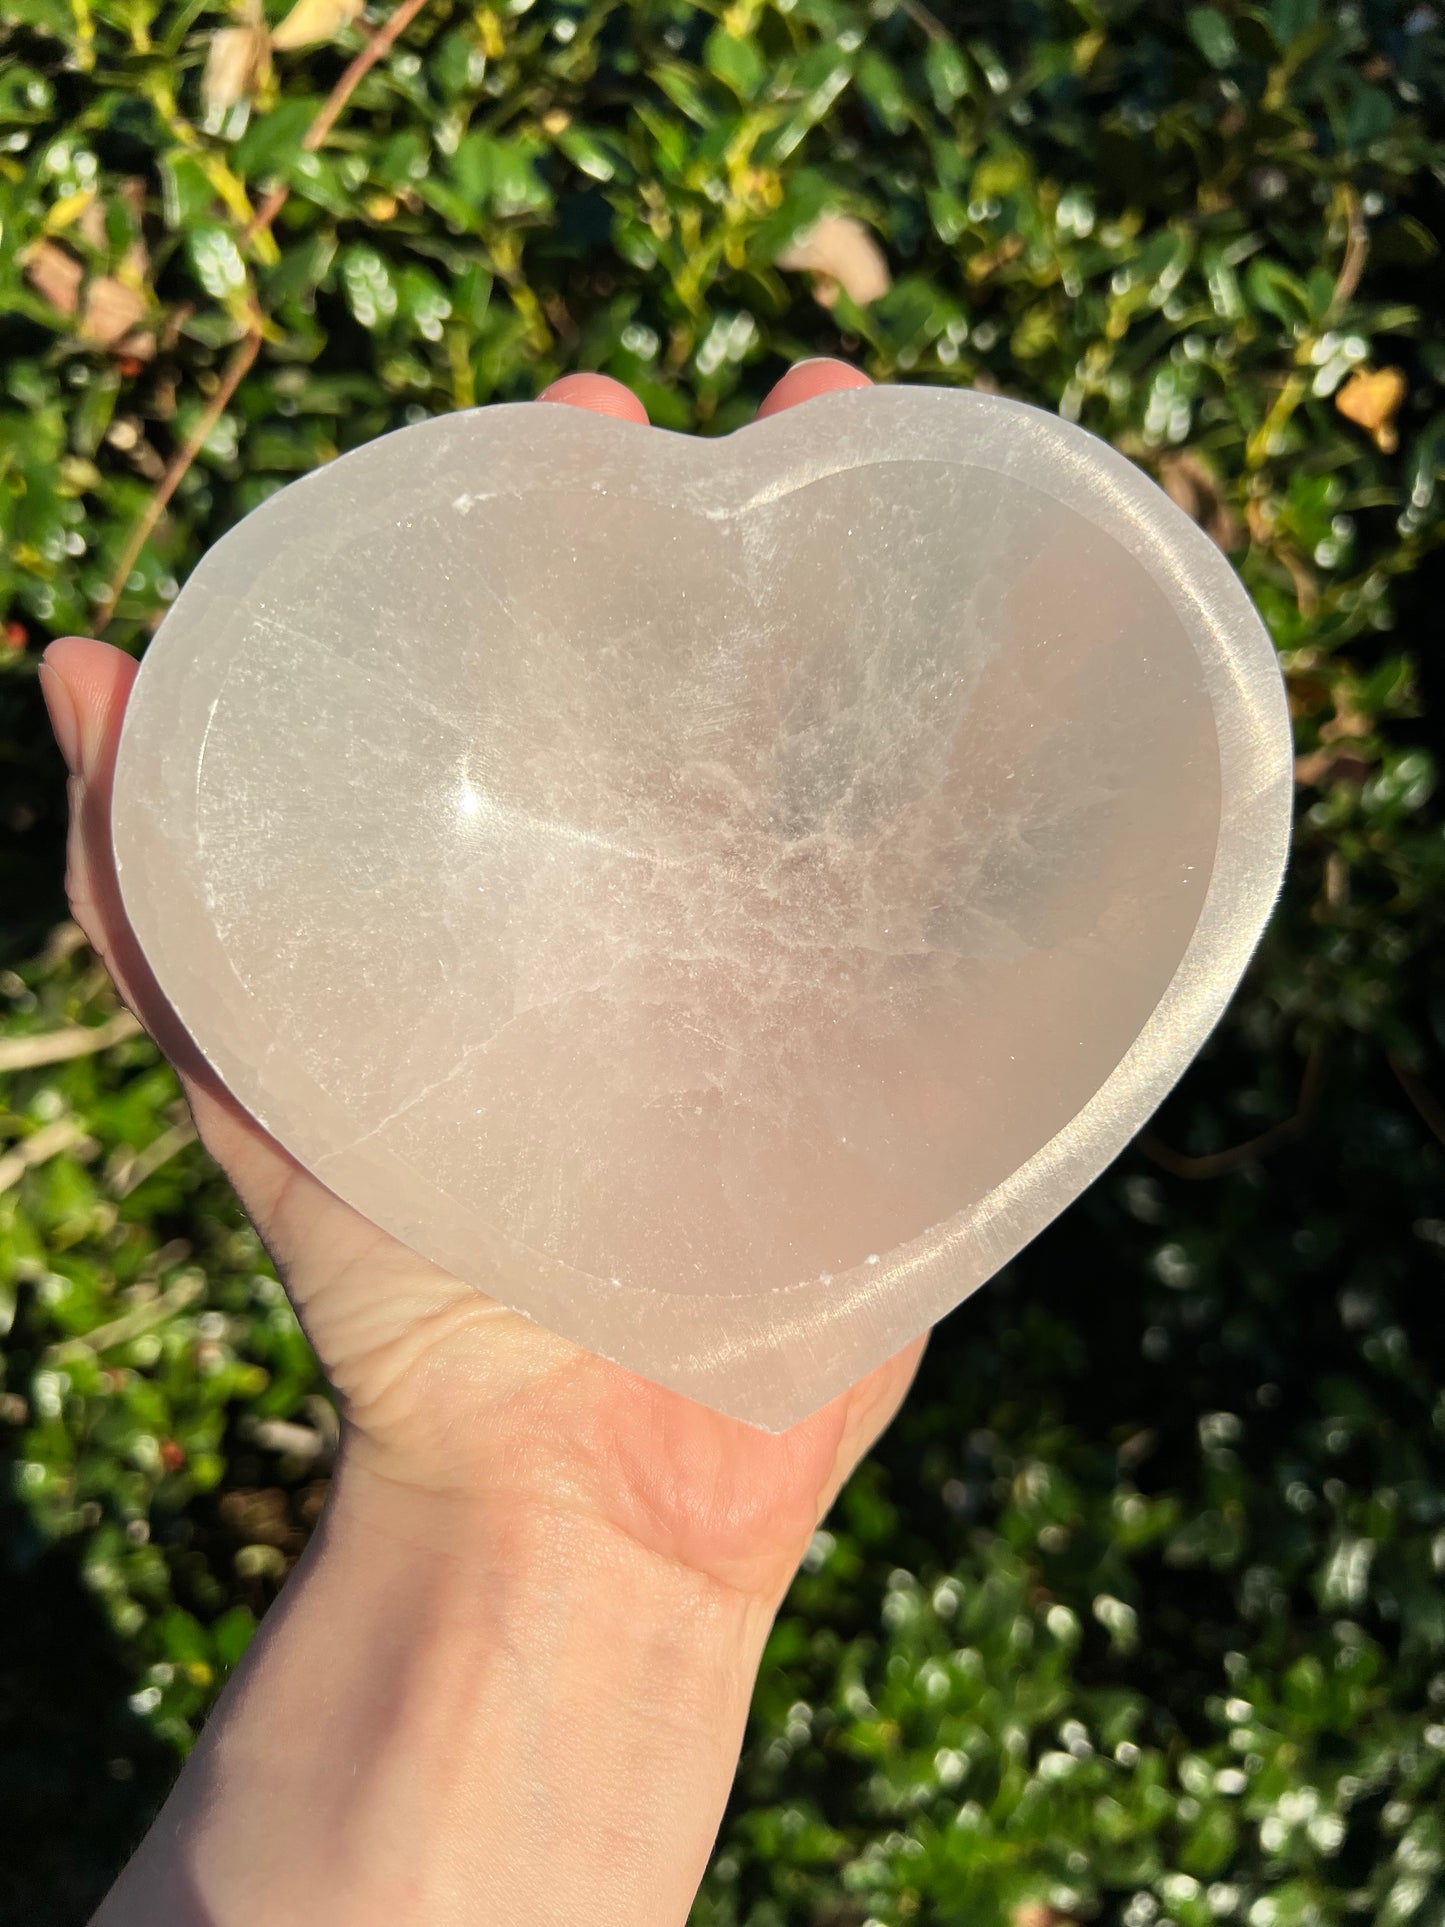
(724, 897)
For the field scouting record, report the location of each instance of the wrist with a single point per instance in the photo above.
(464, 1709)
(552, 1579)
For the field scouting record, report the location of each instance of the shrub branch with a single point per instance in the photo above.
(244, 354)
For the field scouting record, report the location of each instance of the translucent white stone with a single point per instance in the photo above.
(720, 897)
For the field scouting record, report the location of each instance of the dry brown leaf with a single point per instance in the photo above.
(238, 61)
(1336, 760)
(109, 311)
(1371, 399)
(110, 314)
(312, 21)
(55, 274)
(114, 304)
(1322, 766)
(839, 252)
(1187, 480)
(1347, 723)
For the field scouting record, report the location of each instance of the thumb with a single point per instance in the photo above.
(86, 686)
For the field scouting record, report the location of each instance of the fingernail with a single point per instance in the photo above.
(63, 718)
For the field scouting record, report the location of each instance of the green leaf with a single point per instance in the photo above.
(1272, 287)
(403, 160)
(216, 259)
(93, 412)
(680, 85)
(272, 141)
(738, 63)
(300, 270)
(424, 302)
(881, 85)
(371, 291)
(587, 153)
(1289, 20)
(808, 195)
(232, 1634)
(187, 194)
(1369, 115)
(1212, 35)
(947, 71)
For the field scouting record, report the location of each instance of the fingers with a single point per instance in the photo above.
(807, 379)
(600, 394)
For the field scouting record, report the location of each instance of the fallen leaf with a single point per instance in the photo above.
(1188, 480)
(110, 312)
(312, 21)
(1347, 721)
(238, 61)
(1371, 399)
(1322, 766)
(839, 252)
(106, 310)
(1336, 761)
(55, 274)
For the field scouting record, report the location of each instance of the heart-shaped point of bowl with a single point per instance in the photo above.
(720, 897)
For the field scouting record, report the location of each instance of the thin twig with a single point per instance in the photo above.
(185, 1291)
(356, 71)
(63, 942)
(143, 1164)
(926, 22)
(54, 1046)
(1431, 1111)
(1217, 1163)
(48, 1142)
(236, 370)
(1306, 590)
(296, 1441)
(332, 107)
(1357, 249)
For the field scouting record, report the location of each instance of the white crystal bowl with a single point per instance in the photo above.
(720, 897)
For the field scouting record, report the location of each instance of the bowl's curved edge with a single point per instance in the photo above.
(801, 1346)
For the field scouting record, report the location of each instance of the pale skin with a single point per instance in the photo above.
(508, 1680)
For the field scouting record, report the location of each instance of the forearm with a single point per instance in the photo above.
(461, 1715)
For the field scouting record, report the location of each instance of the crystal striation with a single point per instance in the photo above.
(720, 897)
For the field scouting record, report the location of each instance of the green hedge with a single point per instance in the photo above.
(1139, 1615)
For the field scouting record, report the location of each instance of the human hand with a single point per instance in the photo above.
(481, 1456)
